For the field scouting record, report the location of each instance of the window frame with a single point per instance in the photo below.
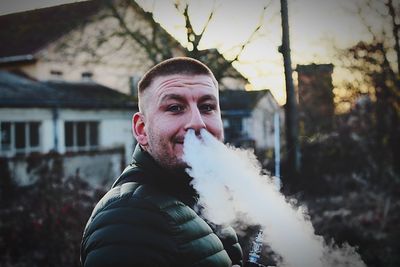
(88, 142)
(27, 147)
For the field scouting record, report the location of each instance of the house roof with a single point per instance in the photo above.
(17, 91)
(240, 100)
(25, 33)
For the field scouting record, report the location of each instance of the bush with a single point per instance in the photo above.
(42, 224)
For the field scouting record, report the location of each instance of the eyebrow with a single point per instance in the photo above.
(171, 96)
(208, 97)
(182, 99)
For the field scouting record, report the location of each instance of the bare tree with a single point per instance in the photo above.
(395, 28)
(154, 40)
(220, 67)
(378, 70)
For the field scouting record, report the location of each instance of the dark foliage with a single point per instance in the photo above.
(352, 191)
(42, 224)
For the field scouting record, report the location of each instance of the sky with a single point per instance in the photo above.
(316, 26)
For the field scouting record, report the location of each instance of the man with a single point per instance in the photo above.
(148, 218)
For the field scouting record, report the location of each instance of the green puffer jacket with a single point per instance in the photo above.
(147, 219)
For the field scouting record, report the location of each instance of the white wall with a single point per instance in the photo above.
(262, 118)
(98, 170)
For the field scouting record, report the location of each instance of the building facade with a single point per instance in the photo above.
(248, 118)
(78, 120)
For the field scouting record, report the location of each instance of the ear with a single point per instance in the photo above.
(139, 129)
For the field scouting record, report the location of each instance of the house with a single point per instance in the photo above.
(86, 41)
(86, 122)
(248, 118)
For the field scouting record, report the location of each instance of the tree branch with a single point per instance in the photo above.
(135, 35)
(396, 29)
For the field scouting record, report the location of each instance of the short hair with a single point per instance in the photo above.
(176, 65)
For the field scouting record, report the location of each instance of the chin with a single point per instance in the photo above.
(180, 165)
(173, 164)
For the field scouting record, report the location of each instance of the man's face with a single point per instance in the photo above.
(174, 104)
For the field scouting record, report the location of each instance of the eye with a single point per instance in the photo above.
(175, 108)
(207, 108)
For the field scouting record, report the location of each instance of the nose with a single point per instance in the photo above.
(195, 121)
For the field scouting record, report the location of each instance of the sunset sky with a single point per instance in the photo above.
(316, 27)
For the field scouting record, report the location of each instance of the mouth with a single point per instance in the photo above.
(179, 141)
(179, 145)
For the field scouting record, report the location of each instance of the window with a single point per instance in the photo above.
(5, 136)
(87, 76)
(236, 125)
(56, 74)
(81, 135)
(265, 128)
(225, 123)
(233, 128)
(19, 137)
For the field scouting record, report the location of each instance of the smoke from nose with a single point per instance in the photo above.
(233, 188)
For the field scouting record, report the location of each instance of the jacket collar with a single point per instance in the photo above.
(175, 183)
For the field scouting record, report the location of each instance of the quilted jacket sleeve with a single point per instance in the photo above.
(231, 244)
(127, 231)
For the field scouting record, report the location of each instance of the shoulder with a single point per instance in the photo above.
(131, 224)
(132, 203)
(138, 225)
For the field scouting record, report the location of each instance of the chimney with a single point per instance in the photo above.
(315, 90)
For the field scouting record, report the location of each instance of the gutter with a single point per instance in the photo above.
(235, 112)
(18, 58)
(55, 128)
